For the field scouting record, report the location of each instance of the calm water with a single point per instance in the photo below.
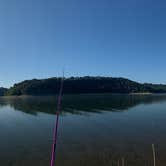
(95, 130)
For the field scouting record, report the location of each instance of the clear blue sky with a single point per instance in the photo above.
(126, 38)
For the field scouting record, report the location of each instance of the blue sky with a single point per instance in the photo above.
(38, 38)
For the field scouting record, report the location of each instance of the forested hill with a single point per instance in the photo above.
(83, 85)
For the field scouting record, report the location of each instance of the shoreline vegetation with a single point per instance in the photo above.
(141, 93)
(81, 85)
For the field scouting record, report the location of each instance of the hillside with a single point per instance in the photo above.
(86, 84)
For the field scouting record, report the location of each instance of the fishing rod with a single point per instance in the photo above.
(55, 133)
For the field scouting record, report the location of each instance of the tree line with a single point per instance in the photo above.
(85, 84)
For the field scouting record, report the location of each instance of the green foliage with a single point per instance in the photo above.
(3, 91)
(86, 84)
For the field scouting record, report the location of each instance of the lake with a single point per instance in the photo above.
(94, 130)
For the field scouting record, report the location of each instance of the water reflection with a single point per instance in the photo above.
(77, 104)
(119, 126)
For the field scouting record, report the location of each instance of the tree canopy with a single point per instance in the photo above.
(3, 91)
(85, 84)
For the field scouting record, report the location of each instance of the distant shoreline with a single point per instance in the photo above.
(142, 93)
(82, 94)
